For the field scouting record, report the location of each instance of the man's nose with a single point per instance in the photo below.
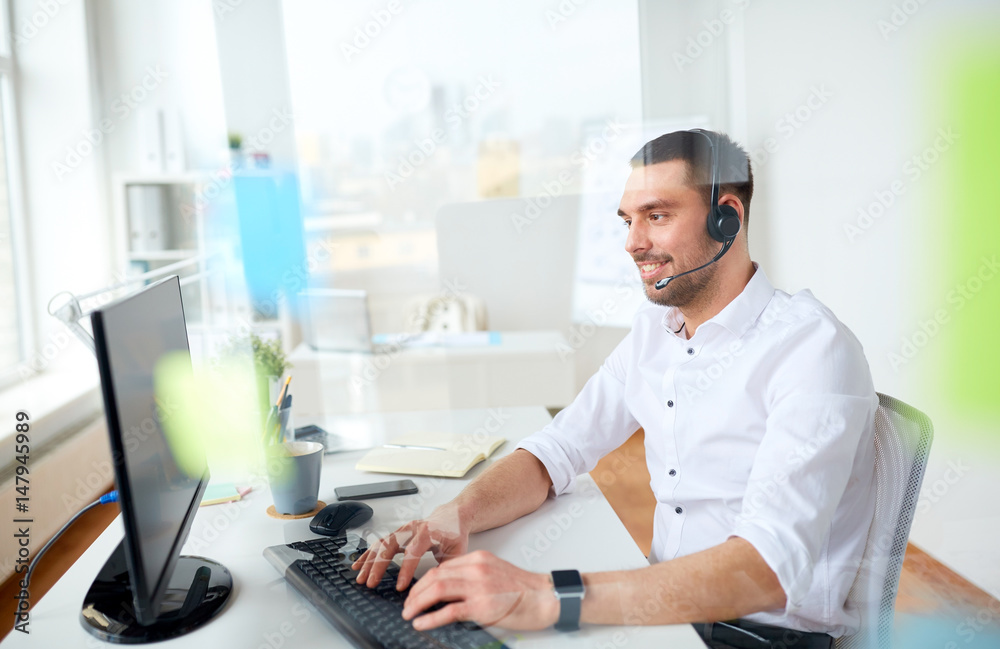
(638, 238)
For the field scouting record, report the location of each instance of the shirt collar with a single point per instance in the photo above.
(740, 314)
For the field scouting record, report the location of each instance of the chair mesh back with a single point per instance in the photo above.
(902, 442)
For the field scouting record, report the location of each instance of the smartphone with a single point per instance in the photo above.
(376, 490)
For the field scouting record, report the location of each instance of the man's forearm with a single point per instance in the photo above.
(724, 582)
(514, 486)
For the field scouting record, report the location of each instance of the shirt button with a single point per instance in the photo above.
(690, 351)
(678, 510)
(672, 472)
(670, 404)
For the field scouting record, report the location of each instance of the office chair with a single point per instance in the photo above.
(902, 443)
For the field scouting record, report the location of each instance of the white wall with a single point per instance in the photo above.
(177, 39)
(858, 129)
(873, 108)
(867, 92)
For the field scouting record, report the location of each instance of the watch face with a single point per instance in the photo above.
(567, 581)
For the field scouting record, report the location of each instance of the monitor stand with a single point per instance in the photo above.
(197, 592)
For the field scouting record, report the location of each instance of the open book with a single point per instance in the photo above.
(432, 453)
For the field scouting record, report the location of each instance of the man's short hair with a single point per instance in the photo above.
(735, 174)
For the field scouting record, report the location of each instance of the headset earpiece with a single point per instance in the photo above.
(723, 220)
(723, 223)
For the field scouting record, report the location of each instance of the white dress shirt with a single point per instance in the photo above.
(760, 426)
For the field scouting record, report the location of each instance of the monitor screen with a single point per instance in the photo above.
(158, 498)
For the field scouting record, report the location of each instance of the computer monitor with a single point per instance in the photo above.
(146, 591)
(336, 319)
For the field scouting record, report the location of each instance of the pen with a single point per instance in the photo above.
(415, 446)
(283, 415)
(284, 388)
(272, 433)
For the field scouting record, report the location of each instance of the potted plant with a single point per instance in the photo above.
(235, 150)
(269, 362)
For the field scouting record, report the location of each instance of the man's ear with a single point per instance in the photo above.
(733, 201)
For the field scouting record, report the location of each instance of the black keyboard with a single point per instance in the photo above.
(371, 618)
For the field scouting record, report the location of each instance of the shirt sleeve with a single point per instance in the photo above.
(821, 410)
(597, 422)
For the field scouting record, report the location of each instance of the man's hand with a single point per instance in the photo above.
(485, 589)
(442, 533)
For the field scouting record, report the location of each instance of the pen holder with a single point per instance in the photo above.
(278, 426)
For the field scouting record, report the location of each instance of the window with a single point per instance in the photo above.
(14, 312)
(401, 108)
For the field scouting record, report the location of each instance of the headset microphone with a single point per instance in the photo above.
(723, 220)
(666, 280)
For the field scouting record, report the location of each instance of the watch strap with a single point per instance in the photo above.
(570, 597)
(569, 613)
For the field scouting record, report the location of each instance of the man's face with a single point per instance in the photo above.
(666, 218)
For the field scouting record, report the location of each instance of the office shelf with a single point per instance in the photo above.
(160, 220)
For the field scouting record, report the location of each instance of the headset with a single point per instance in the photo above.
(723, 220)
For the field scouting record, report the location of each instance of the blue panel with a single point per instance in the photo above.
(271, 236)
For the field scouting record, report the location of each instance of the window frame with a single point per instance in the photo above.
(19, 235)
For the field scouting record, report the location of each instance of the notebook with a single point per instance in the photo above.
(218, 493)
(431, 453)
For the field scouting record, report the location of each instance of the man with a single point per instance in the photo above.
(758, 411)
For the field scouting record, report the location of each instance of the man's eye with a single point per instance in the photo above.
(657, 217)
(626, 223)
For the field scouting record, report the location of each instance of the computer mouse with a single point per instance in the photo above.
(335, 519)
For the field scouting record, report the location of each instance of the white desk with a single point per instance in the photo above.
(265, 612)
(527, 368)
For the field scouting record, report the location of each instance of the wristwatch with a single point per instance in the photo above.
(569, 591)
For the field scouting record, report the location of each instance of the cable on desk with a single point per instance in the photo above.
(110, 497)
